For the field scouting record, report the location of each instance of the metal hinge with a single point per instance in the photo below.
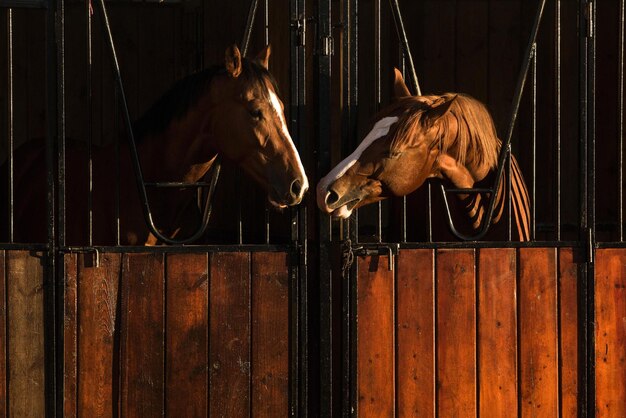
(327, 46)
(299, 25)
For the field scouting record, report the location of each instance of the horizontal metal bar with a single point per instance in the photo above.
(16, 246)
(180, 248)
(27, 4)
(478, 190)
(475, 244)
(168, 184)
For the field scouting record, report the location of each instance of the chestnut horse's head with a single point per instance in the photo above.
(416, 137)
(248, 126)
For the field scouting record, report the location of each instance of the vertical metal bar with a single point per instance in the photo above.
(117, 169)
(10, 132)
(557, 76)
(266, 39)
(89, 120)
(327, 372)
(534, 146)
(249, 26)
(403, 225)
(620, 184)
(404, 42)
(430, 212)
(378, 91)
(55, 147)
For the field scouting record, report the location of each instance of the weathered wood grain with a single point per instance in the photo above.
(375, 338)
(415, 334)
(538, 332)
(270, 335)
(70, 330)
(229, 342)
(142, 335)
(610, 313)
(97, 319)
(456, 333)
(187, 333)
(568, 360)
(3, 338)
(25, 334)
(497, 332)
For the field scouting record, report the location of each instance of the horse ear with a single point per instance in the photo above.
(232, 61)
(439, 108)
(263, 57)
(399, 86)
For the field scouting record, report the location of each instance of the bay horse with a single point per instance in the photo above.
(232, 110)
(450, 137)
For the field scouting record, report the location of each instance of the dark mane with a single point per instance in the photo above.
(185, 93)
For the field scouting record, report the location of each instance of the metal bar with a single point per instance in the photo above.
(620, 183)
(249, 26)
(534, 148)
(404, 42)
(10, 133)
(327, 371)
(266, 38)
(88, 11)
(378, 92)
(557, 77)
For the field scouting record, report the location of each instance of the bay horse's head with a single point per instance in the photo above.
(416, 137)
(248, 127)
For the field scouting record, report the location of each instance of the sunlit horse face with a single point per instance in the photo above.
(250, 128)
(391, 160)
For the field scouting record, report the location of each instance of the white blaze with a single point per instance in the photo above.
(276, 105)
(380, 129)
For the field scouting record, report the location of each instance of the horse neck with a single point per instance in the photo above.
(183, 152)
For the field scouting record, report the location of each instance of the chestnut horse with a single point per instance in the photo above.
(451, 137)
(232, 110)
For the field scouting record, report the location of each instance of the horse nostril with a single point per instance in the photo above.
(331, 198)
(296, 188)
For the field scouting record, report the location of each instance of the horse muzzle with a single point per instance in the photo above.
(336, 202)
(294, 195)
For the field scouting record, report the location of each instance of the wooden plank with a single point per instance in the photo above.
(3, 338)
(187, 332)
(270, 335)
(70, 330)
(97, 319)
(456, 333)
(142, 333)
(568, 360)
(610, 295)
(415, 328)
(497, 332)
(25, 334)
(375, 338)
(538, 332)
(229, 341)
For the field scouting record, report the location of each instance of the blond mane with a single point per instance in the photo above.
(467, 131)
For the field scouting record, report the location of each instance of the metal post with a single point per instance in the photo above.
(10, 133)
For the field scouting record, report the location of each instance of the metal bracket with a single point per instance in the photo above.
(299, 25)
(391, 250)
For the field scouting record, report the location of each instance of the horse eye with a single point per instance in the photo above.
(394, 155)
(256, 114)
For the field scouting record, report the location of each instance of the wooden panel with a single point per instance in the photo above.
(25, 334)
(415, 334)
(270, 335)
(456, 333)
(229, 342)
(497, 332)
(568, 296)
(142, 335)
(538, 332)
(70, 329)
(97, 317)
(375, 334)
(610, 293)
(187, 335)
(3, 339)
